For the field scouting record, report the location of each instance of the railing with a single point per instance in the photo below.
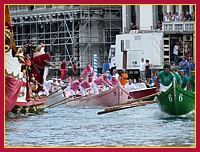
(178, 26)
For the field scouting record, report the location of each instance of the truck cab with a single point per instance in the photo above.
(131, 47)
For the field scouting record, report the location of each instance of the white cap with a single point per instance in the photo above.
(54, 78)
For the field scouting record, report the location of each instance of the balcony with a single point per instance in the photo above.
(178, 26)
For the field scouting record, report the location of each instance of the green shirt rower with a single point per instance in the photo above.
(184, 79)
(165, 78)
(191, 83)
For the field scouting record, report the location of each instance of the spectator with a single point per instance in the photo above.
(109, 75)
(133, 26)
(182, 17)
(188, 16)
(192, 16)
(159, 25)
(183, 65)
(165, 17)
(105, 66)
(142, 69)
(63, 69)
(147, 71)
(123, 77)
(177, 17)
(191, 65)
(130, 86)
(175, 52)
(115, 74)
(153, 79)
(169, 18)
(111, 70)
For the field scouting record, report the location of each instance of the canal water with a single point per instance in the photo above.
(70, 127)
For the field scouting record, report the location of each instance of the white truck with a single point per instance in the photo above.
(130, 48)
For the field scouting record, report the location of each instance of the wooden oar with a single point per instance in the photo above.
(112, 109)
(135, 100)
(57, 104)
(53, 92)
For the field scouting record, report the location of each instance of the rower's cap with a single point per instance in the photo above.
(180, 70)
(54, 79)
(91, 77)
(105, 74)
(113, 76)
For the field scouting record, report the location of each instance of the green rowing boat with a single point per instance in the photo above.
(176, 101)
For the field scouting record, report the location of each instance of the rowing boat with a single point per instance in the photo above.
(141, 91)
(176, 101)
(57, 96)
(111, 97)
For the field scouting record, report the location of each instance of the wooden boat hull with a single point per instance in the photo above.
(142, 93)
(176, 101)
(58, 96)
(115, 96)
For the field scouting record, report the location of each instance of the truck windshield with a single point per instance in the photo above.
(112, 52)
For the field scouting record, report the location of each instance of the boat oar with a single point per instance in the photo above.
(57, 104)
(112, 109)
(53, 92)
(135, 100)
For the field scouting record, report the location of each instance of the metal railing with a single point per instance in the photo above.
(178, 26)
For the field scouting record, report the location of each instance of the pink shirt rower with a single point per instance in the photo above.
(88, 71)
(85, 84)
(99, 80)
(75, 85)
(114, 81)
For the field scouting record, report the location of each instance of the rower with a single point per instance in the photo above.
(184, 79)
(75, 86)
(102, 80)
(85, 85)
(165, 77)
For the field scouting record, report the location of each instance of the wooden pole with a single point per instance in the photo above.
(134, 100)
(53, 92)
(112, 109)
(59, 102)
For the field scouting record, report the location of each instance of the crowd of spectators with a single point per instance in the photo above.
(168, 16)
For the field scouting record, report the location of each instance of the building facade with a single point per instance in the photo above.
(75, 32)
